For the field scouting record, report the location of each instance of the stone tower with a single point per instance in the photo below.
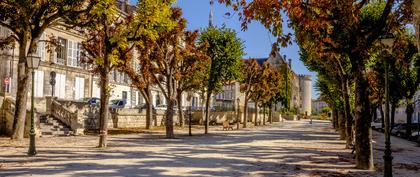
(305, 84)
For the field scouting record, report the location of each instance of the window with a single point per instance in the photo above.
(124, 95)
(60, 86)
(61, 51)
(73, 54)
(39, 84)
(79, 88)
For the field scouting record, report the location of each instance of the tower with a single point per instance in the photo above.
(211, 13)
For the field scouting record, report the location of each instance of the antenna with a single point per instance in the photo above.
(211, 13)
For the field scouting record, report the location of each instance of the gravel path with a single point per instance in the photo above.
(282, 149)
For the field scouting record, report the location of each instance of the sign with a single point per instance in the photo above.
(7, 81)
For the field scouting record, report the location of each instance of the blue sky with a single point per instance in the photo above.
(257, 39)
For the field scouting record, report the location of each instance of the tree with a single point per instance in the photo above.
(406, 65)
(249, 80)
(274, 82)
(166, 55)
(141, 78)
(361, 23)
(191, 68)
(225, 51)
(27, 20)
(108, 42)
(261, 88)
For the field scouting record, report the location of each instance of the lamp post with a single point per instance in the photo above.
(52, 82)
(387, 41)
(33, 63)
(238, 119)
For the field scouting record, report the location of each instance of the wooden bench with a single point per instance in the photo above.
(226, 125)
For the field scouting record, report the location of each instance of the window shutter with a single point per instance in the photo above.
(69, 53)
(39, 84)
(41, 46)
(63, 86)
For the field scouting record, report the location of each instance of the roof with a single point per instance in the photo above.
(261, 61)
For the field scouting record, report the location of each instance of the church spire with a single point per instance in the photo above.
(211, 13)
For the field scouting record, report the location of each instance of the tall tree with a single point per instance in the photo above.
(361, 24)
(191, 69)
(108, 42)
(249, 80)
(141, 78)
(166, 55)
(27, 20)
(275, 80)
(406, 56)
(225, 51)
(261, 88)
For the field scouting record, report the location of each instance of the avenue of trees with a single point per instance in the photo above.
(341, 41)
(151, 45)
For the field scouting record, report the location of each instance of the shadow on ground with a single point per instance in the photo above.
(265, 151)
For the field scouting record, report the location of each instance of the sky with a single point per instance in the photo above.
(257, 39)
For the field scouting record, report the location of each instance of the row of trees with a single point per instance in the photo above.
(340, 40)
(150, 44)
(262, 85)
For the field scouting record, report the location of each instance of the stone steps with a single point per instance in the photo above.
(51, 126)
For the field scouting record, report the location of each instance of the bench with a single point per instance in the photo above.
(226, 125)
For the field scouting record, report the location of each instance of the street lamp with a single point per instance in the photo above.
(387, 41)
(238, 120)
(33, 63)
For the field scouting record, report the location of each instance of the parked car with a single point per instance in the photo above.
(376, 125)
(401, 130)
(398, 130)
(414, 136)
(161, 107)
(117, 104)
(165, 107)
(94, 101)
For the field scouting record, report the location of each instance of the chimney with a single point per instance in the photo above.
(124, 6)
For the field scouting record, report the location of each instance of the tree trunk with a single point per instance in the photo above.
(393, 106)
(347, 113)
(21, 94)
(245, 112)
(169, 120)
(270, 114)
(103, 111)
(264, 115)
(149, 108)
(409, 111)
(375, 115)
(256, 114)
(342, 125)
(206, 120)
(335, 117)
(363, 142)
(203, 111)
(381, 111)
(180, 112)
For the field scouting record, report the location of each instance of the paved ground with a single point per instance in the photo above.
(282, 149)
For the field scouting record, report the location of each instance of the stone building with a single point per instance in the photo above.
(301, 86)
(74, 80)
(301, 95)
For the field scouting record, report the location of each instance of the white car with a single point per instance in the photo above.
(376, 125)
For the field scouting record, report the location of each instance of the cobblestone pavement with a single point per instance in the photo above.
(282, 149)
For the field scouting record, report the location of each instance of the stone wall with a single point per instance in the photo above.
(7, 117)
